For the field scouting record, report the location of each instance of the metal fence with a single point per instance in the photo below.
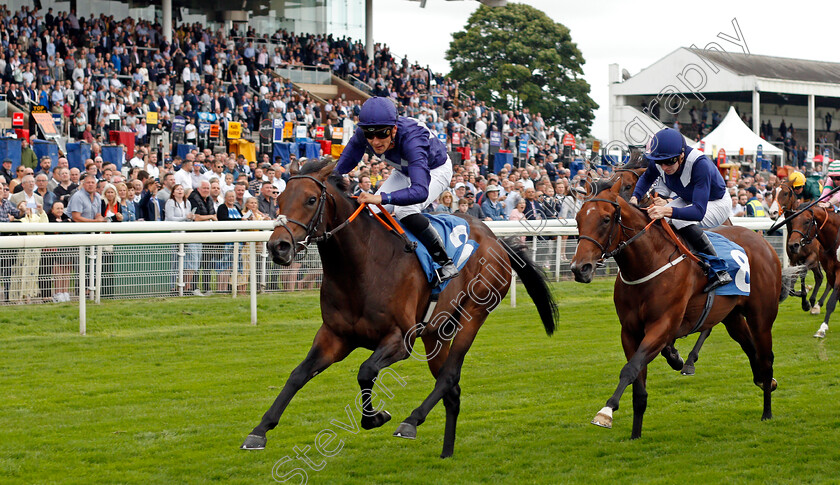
(41, 275)
(305, 75)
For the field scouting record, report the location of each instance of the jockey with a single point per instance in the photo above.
(702, 200)
(422, 171)
(832, 180)
(805, 189)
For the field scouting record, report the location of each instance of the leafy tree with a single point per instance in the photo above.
(517, 57)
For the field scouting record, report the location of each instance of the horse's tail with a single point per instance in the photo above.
(535, 281)
(789, 277)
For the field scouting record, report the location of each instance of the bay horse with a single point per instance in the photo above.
(807, 251)
(822, 224)
(664, 298)
(625, 179)
(374, 294)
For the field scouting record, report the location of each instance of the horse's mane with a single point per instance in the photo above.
(637, 160)
(315, 165)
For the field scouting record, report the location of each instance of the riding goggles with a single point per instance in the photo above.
(380, 132)
(668, 161)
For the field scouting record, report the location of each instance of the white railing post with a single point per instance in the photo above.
(557, 258)
(512, 289)
(98, 279)
(181, 255)
(252, 256)
(263, 268)
(92, 273)
(82, 286)
(785, 261)
(234, 270)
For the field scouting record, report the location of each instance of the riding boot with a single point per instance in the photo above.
(421, 228)
(699, 241)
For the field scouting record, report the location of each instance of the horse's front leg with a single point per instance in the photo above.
(391, 349)
(639, 354)
(326, 350)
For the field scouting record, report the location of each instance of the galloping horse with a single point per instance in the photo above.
(374, 295)
(625, 179)
(807, 252)
(658, 297)
(823, 225)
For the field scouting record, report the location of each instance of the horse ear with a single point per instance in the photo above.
(294, 167)
(328, 168)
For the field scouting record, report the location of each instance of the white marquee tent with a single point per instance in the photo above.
(732, 135)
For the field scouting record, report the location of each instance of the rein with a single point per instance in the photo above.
(312, 227)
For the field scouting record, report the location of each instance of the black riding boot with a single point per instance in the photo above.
(697, 239)
(421, 228)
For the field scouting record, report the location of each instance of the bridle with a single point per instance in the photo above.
(616, 227)
(793, 197)
(811, 224)
(312, 227)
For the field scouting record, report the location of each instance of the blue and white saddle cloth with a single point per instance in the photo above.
(733, 259)
(455, 233)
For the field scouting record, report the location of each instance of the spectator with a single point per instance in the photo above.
(25, 272)
(85, 204)
(111, 204)
(61, 258)
(227, 212)
(491, 206)
(267, 200)
(28, 194)
(127, 206)
(150, 208)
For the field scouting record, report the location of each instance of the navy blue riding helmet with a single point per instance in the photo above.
(665, 144)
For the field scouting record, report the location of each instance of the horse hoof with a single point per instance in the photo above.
(603, 418)
(815, 310)
(253, 442)
(821, 332)
(773, 384)
(407, 431)
(687, 370)
(376, 420)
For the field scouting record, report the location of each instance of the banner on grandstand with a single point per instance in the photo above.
(568, 140)
(214, 131)
(338, 134)
(203, 127)
(234, 130)
(151, 118)
(179, 124)
(456, 139)
(288, 130)
(46, 123)
(495, 139)
(300, 131)
(442, 137)
(523, 143)
(319, 132)
(17, 120)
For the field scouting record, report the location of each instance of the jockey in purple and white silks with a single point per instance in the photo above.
(422, 171)
(702, 199)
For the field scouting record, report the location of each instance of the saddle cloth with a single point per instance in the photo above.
(455, 233)
(733, 259)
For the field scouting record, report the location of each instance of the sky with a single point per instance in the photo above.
(631, 34)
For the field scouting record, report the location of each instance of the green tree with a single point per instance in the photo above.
(517, 57)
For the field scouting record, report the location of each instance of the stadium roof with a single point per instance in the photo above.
(774, 67)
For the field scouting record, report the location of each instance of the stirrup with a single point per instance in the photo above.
(719, 279)
(445, 273)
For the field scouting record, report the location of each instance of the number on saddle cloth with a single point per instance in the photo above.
(455, 233)
(733, 259)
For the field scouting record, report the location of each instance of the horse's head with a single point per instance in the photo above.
(303, 209)
(803, 230)
(599, 229)
(784, 200)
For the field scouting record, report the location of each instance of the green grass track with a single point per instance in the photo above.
(164, 391)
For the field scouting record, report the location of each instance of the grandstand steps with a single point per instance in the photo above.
(324, 91)
(347, 91)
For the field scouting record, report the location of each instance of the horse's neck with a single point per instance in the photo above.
(827, 233)
(647, 252)
(349, 252)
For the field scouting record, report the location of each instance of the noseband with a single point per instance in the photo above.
(811, 224)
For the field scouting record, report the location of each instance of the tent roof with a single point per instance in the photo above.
(732, 135)
(774, 67)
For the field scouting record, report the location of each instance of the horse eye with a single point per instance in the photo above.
(606, 220)
(311, 200)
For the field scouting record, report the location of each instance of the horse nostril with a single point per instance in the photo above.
(586, 268)
(284, 247)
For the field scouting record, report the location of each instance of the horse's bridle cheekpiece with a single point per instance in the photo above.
(317, 219)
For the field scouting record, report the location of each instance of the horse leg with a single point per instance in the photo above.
(818, 279)
(390, 350)
(638, 354)
(761, 361)
(829, 309)
(694, 355)
(446, 384)
(816, 309)
(639, 403)
(803, 293)
(452, 400)
(326, 350)
(672, 356)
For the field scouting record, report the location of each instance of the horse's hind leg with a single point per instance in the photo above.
(758, 345)
(829, 309)
(326, 349)
(446, 385)
(391, 349)
(438, 352)
(694, 355)
(815, 310)
(639, 403)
